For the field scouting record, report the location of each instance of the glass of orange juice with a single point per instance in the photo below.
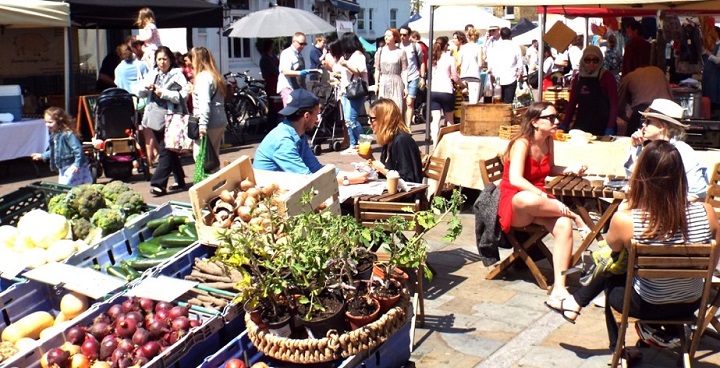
(364, 144)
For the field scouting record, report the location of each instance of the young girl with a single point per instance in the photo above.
(149, 35)
(65, 150)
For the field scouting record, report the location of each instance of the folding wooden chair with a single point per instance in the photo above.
(713, 191)
(492, 171)
(436, 169)
(368, 212)
(447, 129)
(651, 261)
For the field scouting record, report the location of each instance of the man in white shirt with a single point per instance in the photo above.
(493, 37)
(505, 64)
(292, 68)
(531, 56)
(415, 71)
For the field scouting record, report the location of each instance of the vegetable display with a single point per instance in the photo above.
(246, 205)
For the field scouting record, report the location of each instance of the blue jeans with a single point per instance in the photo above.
(351, 108)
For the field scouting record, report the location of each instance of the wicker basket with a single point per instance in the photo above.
(334, 346)
(508, 131)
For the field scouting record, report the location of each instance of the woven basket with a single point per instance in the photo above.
(334, 346)
(508, 131)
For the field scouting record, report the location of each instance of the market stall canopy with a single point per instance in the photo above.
(524, 25)
(278, 21)
(449, 19)
(121, 14)
(367, 46)
(613, 4)
(34, 13)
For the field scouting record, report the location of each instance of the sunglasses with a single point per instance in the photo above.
(372, 119)
(552, 118)
(591, 60)
(302, 43)
(403, 34)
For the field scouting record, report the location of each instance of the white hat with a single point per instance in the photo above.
(666, 110)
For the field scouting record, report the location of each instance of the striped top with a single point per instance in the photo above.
(673, 290)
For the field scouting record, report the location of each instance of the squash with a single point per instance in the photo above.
(26, 343)
(72, 304)
(60, 318)
(28, 326)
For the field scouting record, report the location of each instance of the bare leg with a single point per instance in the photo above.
(409, 110)
(435, 125)
(561, 230)
(151, 146)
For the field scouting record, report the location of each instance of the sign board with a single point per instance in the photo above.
(31, 52)
(344, 26)
(85, 121)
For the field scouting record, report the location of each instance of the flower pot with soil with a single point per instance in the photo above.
(325, 313)
(362, 310)
(387, 292)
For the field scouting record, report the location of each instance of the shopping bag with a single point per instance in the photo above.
(212, 161)
(200, 173)
(176, 133)
(193, 131)
(357, 88)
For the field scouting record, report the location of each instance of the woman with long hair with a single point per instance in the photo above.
(208, 98)
(442, 98)
(165, 89)
(658, 211)
(391, 69)
(354, 66)
(399, 150)
(528, 160)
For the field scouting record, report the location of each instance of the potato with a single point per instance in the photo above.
(72, 304)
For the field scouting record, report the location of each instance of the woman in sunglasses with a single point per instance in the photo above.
(528, 160)
(593, 95)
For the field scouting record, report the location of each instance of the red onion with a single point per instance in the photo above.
(90, 348)
(102, 317)
(76, 335)
(157, 329)
(146, 304)
(117, 355)
(130, 305)
(140, 361)
(58, 357)
(107, 347)
(162, 314)
(100, 329)
(180, 323)
(126, 328)
(163, 306)
(126, 344)
(136, 316)
(150, 349)
(141, 336)
(195, 323)
(178, 311)
(114, 311)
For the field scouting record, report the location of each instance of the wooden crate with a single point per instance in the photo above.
(323, 183)
(484, 119)
(508, 131)
(552, 95)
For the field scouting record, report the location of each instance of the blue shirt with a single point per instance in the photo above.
(284, 150)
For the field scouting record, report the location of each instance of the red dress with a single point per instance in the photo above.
(535, 172)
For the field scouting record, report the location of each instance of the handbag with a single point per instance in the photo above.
(176, 130)
(357, 88)
(193, 131)
(602, 262)
(212, 161)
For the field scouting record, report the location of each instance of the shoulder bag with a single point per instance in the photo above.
(357, 88)
(194, 122)
(176, 130)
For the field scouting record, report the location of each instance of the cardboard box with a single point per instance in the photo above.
(559, 36)
(485, 119)
(323, 183)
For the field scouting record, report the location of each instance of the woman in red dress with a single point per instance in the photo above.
(528, 161)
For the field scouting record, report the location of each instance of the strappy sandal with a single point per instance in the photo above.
(584, 232)
(562, 310)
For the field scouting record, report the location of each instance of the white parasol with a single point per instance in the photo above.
(278, 21)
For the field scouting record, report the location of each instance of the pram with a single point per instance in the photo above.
(330, 122)
(118, 151)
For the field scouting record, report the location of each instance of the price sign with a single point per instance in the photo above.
(94, 284)
(11, 266)
(52, 273)
(162, 288)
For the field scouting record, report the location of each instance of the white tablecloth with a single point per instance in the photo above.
(22, 138)
(606, 158)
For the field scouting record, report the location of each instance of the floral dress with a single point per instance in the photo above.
(391, 65)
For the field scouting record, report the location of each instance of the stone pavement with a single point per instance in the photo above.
(470, 321)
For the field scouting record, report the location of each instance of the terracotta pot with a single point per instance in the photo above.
(386, 303)
(398, 274)
(359, 321)
(255, 314)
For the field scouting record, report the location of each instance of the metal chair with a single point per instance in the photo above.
(492, 171)
(651, 261)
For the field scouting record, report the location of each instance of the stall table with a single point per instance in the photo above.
(605, 158)
(22, 138)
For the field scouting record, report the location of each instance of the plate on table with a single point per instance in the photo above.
(617, 184)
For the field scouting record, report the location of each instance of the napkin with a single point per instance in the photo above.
(402, 185)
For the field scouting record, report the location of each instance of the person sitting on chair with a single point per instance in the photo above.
(528, 160)
(658, 212)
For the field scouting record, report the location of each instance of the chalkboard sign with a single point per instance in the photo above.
(85, 123)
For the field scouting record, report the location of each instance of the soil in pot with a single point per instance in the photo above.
(388, 294)
(278, 322)
(254, 310)
(361, 311)
(332, 318)
(365, 267)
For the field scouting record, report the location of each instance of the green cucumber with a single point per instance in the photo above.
(179, 220)
(163, 229)
(118, 272)
(173, 240)
(167, 253)
(142, 264)
(148, 249)
(132, 273)
(154, 224)
(189, 230)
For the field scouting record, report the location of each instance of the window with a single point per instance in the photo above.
(360, 16)
(393, 18)
(509, 12)
(239, 4)
(370, 19)
(238, 47)
(286, 3)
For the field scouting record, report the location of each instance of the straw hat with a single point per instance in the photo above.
(666, 110)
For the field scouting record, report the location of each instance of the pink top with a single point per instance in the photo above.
(150, 36)
(444, 73)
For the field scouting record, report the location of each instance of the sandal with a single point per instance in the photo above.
(176, 186)
(584, 232)
(157, 191)
(561, 310)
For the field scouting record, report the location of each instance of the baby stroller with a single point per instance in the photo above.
(329, 126)
(116, 126)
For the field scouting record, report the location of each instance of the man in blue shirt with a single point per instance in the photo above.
(286, 147)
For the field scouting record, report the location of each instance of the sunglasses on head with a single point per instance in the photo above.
(592, 60)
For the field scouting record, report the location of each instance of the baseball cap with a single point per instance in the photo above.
(299, 98)
(666, 110)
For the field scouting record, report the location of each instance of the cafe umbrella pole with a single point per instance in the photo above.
(428, 87)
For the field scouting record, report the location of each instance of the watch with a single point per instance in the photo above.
(345, 181)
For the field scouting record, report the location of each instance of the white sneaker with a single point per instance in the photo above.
(349, 151)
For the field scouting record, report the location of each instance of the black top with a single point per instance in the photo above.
(403, 156)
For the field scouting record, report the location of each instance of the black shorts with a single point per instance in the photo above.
(442, 101)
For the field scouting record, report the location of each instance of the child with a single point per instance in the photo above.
(65, 150)
(149, 35)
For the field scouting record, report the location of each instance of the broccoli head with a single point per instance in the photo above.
(109, 220)
(113, 189)
(86, 200)
(130, 202)
(60, 205)
(80, 228)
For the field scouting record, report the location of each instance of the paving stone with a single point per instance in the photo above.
(504, 317)
(471, 345)
(542, 357)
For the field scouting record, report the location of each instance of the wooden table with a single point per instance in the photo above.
(397, 197)
(576, 190)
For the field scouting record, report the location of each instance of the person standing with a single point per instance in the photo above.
(317, 51)
(493, 38)
(442, 99)
(292, 68)
(637, 49)
(269, 64)
(165, 90)
(613, 57)
(391, 69)
(64, 152)
(208, 95)
(415, 71)
(354, 66)
(130, 71)
(637, 91)
(711, 75)
(469, 56)
(149, 35)
(531, 56)
(505, 65)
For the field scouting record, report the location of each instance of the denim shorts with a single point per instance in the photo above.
(413, 87)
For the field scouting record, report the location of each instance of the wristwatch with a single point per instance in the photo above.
(346, 182)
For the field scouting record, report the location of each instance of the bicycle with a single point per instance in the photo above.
(245, 105)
